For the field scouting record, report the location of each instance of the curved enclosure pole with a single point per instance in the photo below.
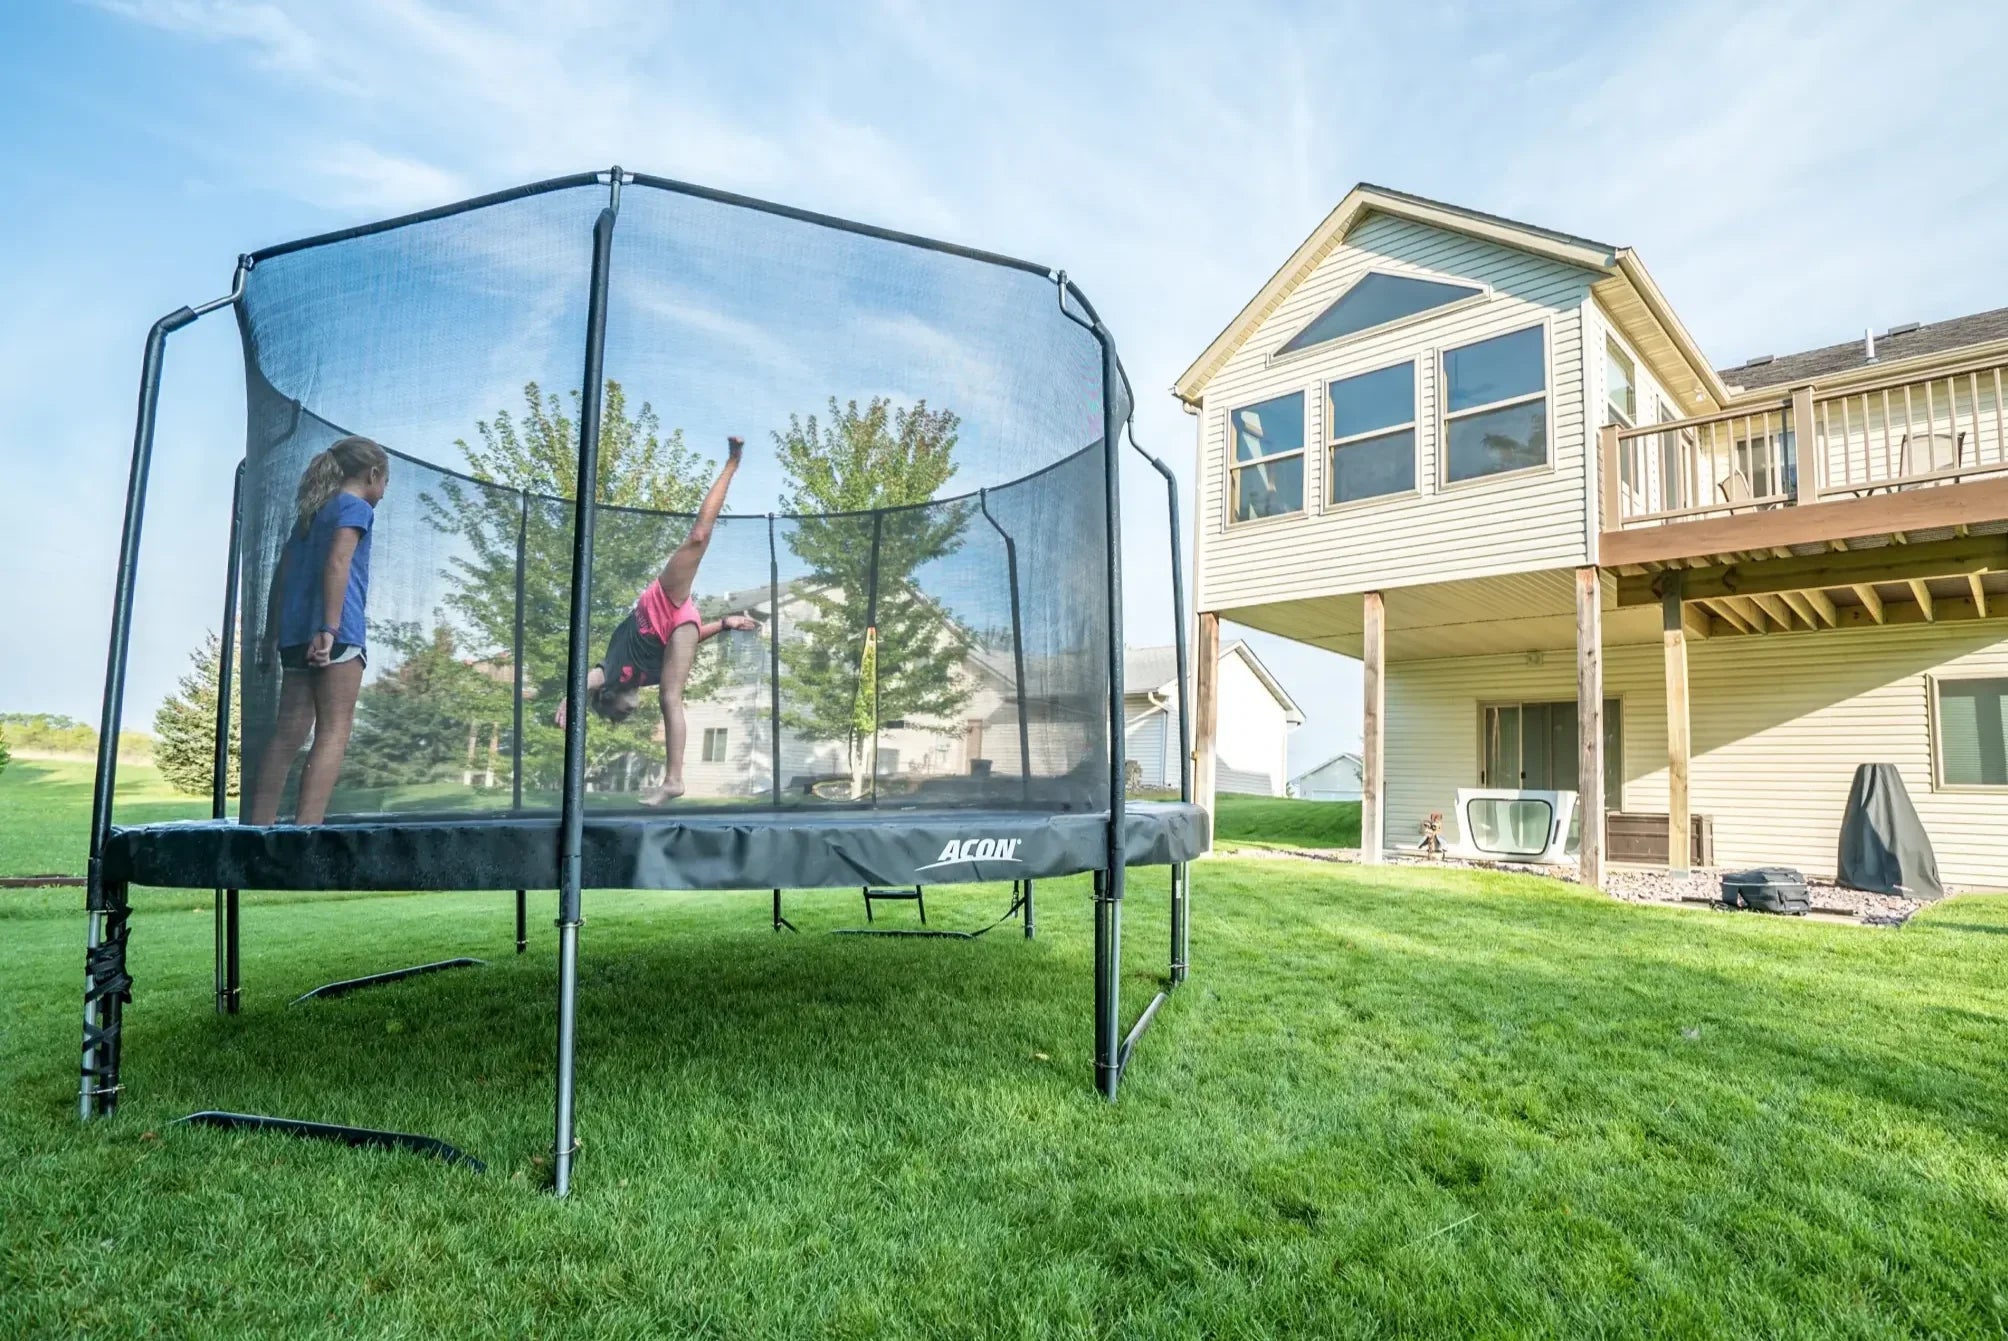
(1181, 875)
(219, 778)
(106, 985)
(572, 830)
(516, 718)
(1017, 650)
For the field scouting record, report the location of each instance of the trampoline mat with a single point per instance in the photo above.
(672, 850)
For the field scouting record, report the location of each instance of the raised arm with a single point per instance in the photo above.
(710, 629)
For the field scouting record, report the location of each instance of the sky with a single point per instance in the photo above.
(1790, 173)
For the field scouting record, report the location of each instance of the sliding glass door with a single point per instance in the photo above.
(1532, 746)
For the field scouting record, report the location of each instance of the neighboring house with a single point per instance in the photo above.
(1487, 458)
(1339, 778)
(1257, 715)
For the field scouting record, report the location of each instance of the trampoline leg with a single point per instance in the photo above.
(222, 993)
(780, 921)
(233, 981)
(1028, 910)
(1108, 989)
(1181, 941)
(106, 991)
(566, 1144)
(522, 921)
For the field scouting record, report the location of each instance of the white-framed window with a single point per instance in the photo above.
(1265, 453)
(1379, 298)
(1370, 434)
(1620, 384)
(1970, 731)
(714, 744)
(1495, 405)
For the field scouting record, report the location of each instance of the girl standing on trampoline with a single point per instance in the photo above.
(316, 621)
(657, 643)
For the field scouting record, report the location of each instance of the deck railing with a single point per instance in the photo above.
(1901, 433)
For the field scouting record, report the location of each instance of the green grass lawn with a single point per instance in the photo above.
(1280, 821)
(45, 811)
(1389, 1102)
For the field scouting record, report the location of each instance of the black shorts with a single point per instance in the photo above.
(295, 657)
(633, 658)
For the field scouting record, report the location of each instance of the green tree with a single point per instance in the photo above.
(535, 455)
(185, 726)
(843, 675)
(435, 714)
(5, 757)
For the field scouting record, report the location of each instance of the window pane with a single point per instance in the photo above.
(1375, 301)
(1373, 466)
(1266, 429)
(1620, 385)
(1509, 828)
(1269, 490)
(1373, 400)
(1498, 440)
(1495, 369)
(1973, 732)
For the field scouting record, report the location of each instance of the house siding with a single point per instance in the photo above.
(1779, 724)
(1532, 520)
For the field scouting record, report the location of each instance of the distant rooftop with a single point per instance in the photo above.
(1907, 340)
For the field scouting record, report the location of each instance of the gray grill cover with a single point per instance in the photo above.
(1884, 848)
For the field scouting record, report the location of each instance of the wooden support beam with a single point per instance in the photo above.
(1775, 607)
(1696, 621)
(1746, 609)
(1814, 606)
(1206, 716)
(1796, 602)
(1727, 612)
(1922, 595)
(1373, 744)
(1887, 563)
(1674, 630)
(1590, 724)
(1871, 600)
(1979, 593)
(1810, 523)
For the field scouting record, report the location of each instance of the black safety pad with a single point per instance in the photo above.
(672, 850)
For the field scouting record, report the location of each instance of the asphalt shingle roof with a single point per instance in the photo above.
(1929, 338)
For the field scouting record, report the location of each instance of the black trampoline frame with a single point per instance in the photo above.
(107, 986)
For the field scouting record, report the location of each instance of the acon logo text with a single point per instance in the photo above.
(975, 849)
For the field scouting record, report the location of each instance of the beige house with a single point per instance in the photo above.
(1487, 459)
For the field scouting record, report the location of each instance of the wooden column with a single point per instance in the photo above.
(1373, 703)
(1674, 624)
(1590, 723)
(1811, 465)
(1205, 714)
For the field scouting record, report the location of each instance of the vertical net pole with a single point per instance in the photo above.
(774, 661)
(105, 984)
(1017, 650)
(572, 831)
(871, 646)
(516, 719)
(1181, 873)
(1109, 894)
(219, 778)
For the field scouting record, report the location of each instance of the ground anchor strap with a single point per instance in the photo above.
(347, 985)
(359, 1137)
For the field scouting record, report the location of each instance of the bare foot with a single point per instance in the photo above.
(734, 449)
(661, 796)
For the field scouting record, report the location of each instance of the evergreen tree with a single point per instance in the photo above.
(430, 717)
(185, 726)
(536, 453)
(843, 674)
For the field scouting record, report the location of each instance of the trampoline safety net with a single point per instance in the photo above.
(918, 530)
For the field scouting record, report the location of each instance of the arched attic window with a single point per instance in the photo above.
(1376, 300)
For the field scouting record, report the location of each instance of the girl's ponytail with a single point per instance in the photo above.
(325, 474)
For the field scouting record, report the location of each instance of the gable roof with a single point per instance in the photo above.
(1343, 754)
(1621, 272)
(1154, 670)
(1892, 346)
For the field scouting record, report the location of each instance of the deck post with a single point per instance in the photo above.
(1205, 715)
(1610, 478)
(1590, 723)
(1674, 626)
(1373, 713)
(1809, 479)
(572, 829)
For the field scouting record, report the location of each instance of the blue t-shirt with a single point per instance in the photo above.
(306, 562)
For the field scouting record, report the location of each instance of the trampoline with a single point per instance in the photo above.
(924, 687)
